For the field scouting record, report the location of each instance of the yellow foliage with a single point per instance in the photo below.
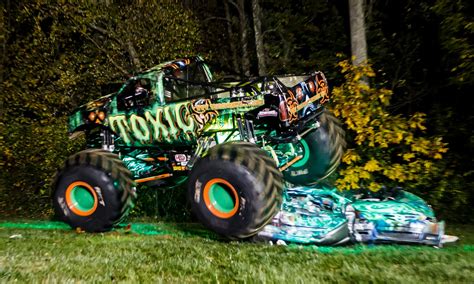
(364, 174)
(379, 137)
(417, 120)
(408, 156)
(372, 166)
(350, 156)
(374, 186)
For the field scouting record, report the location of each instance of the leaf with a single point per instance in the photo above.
(372, 166)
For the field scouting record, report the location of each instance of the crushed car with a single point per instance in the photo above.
(326, 216)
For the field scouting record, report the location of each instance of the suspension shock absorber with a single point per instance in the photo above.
(246, 128)
(107, 139)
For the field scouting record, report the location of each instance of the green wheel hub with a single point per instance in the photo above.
(82, 198)
(305, 152)
(221, 197)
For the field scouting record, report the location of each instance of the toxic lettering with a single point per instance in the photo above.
(162, 124)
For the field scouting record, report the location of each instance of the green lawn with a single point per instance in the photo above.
(160, 252)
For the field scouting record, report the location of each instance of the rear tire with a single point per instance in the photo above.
(94, 191)
(322, 151)
(235, 190)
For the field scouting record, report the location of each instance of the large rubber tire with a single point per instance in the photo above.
(322, 152)
(94, 191)
(235, 189)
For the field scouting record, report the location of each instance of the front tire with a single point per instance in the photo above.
(94, 191)
(321, 149)
(235, 189)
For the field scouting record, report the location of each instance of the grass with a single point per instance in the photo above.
(177, 253)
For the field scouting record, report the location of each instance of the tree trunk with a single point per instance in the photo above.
(133, 56)
(243, 38)
(235, 62)
(257, 25)
(357, 23)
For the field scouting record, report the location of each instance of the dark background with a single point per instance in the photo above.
(57, 56)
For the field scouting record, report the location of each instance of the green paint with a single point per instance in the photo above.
(149, 229)
(207, 71)
(286, 152)
(134, 162)
(82, 198)
(40, 225)
(224, 122)
(377, 210)
(405, 204)
(159, 89)
(75, 121)
(138, 228)
(221, 197)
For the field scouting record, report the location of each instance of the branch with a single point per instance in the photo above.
(106, 33)
(236, 6)
(216, 18)
(268, 31)
(133, 54)
(128, 46)
(99, 29)
(106, 54)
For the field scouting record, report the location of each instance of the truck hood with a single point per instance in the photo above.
(94, 112)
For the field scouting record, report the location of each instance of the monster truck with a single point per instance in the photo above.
(234, 143)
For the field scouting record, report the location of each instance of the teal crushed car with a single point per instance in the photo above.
(322, 216)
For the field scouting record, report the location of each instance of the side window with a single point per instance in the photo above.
(175, 88)
(136, 94)
(184, 82)
(198, 75)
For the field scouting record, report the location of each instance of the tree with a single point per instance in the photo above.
(357, 24)
(230, 36)
(257, 26)
(244, 31)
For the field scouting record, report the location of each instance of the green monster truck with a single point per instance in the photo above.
(235, 144)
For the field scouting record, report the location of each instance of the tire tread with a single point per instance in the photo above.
(113, 166)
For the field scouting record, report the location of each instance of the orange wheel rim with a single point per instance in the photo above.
(81, 198)
(221, 198)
